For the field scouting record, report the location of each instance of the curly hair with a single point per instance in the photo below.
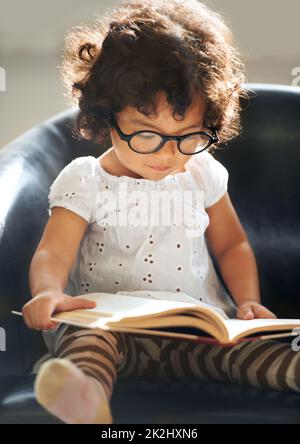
(126, 56)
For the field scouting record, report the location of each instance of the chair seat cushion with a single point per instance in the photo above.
(159, 402)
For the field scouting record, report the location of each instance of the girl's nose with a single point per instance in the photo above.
(169, 148)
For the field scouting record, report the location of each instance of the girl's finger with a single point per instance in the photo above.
(263, 312)
(245, 313)
(248, 314)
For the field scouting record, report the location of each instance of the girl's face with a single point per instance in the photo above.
(138, 165)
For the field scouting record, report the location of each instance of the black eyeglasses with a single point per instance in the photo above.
(147, 142)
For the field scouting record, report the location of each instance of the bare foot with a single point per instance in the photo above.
(67, 392)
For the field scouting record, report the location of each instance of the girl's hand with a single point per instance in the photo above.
(37, 312)
(252, 310)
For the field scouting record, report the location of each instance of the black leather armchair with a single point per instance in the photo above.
(264, 186)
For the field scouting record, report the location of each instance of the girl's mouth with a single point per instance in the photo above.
(160, 168)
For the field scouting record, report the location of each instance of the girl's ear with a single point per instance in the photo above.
(85, 134)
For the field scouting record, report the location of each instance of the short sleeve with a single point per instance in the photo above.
(213, 177)
(75, 187)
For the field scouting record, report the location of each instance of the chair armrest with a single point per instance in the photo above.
(28, 166)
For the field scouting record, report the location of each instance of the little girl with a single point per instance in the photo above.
(133, 73)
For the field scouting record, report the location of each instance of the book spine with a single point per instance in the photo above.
(212, 341)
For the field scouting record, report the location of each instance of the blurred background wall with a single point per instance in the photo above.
(32, 36)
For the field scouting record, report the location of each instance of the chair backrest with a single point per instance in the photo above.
(28, 166)
(263, 163)
(264, 185)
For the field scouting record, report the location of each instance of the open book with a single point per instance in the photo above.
(157, 313)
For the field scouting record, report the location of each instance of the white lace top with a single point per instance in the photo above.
(128, 246)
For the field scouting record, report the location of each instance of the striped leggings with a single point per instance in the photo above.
(107, 355)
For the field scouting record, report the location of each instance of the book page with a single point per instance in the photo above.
(114, 308)
(118, 307)
(238, 328)
(179, 296)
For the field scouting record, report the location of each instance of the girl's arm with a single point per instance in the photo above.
(50, 267)
(228, 242)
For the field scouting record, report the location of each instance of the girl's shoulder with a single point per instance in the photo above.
(80, 168)
(75, 187)
(210, 175)
(206, 165)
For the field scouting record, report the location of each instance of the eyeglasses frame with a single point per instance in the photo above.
(127, 137)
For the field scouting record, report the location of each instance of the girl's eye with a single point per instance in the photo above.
(147, 136)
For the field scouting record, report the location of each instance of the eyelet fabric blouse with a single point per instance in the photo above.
(128, 246)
